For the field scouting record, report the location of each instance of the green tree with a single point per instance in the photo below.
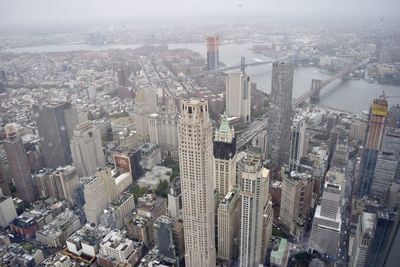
(162, 188)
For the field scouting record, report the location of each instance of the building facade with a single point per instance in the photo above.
(375, 130)
(280, 115)
(55, 122)
(212, 53)
(86, 148)
(196, 169)
(19, 166)
(254, 183)
(238, 96)
(295, 201)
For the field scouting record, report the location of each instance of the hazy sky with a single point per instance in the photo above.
(58, 11)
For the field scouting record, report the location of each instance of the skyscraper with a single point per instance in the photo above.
(212, 53)
(55, 122)
(163, 128)
(238, 96)
(196, 169)
(363, 239)
(383, 177)
(325, 231)
(225, 182)
(381, 237)
(19, 166)
(296, 198)
(142, 116)
(375, 130)
(280, 114)
(224, 158)
(254, 195)
(298, 144)
(87, 150)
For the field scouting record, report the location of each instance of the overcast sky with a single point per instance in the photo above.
(59, 11)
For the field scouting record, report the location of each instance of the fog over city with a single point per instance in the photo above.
(58, 11)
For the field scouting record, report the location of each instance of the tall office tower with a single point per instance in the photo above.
(280, 114)
(254, 180)
(142, 116)
(391, 145)
(228, 214)
(55, 122)
(381, 235)
(4, 180)
(101, 190)
(296, 198)
(390, 254)
(7, 210)
(267, 227)
(163, 129)
(298, 144)
(238, 96)
(175, 199)
(224, 182)
(212, 53)
(196, 169)
(358, 128)
(168, 239)
(340, 154)
(19, 166)
(393, 119)
(334, 136)
(391, 141)
(375, 130)
(224, 158)
(332, 120)
(67, 180)
(363, 239)
(325, 231)
(86, 148)
(123, 76)
(385, 171)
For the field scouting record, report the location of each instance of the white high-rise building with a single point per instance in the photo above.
(86, 148)
(254, 183)
(325, 231)
(142, 112)
(238, 96)
(163, 128)
(7, 210)
(196, 169)
(364, 235)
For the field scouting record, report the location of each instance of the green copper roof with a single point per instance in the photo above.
(224, 127)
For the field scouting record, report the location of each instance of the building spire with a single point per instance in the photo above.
(224, 133)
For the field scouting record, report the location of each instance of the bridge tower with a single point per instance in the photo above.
(316, 86)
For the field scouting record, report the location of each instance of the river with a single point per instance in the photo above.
(352, 95)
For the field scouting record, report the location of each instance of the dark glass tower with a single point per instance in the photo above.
(19, 166)
(55, 122)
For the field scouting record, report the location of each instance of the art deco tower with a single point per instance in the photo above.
(196, 169)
